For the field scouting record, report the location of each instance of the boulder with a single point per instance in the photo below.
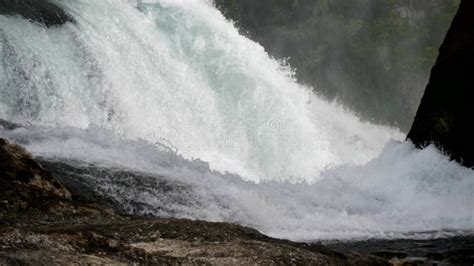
(20, 174)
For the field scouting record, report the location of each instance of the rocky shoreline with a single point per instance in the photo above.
(48, 218)
(42, 223)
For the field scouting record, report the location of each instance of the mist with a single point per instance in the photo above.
(173, 132)
(372, 56)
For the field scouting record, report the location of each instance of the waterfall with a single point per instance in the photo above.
(170, 88)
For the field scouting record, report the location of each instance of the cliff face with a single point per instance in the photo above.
(445, 113)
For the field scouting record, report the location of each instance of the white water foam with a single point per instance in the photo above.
(130, 77)
(403, 193)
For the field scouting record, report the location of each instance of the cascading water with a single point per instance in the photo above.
(169, 88)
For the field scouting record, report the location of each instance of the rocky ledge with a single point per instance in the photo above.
(41, 223)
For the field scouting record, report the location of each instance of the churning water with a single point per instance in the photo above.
(169, 89)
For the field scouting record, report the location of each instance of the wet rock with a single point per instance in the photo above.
(40, 11)
(41, 224)
(180, 242)
(457, 250)
(445, 113)
(21, 175)
(7, 125)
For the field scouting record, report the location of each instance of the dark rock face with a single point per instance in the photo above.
(22, 178)
(445, 113)
(40, 11)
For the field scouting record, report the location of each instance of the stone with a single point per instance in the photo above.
(40, 11)
(445, 115)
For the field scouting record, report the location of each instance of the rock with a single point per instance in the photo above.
(445, 113)
(7, 125)
(41, 224)
(20, 173)
(456, 250)
(41, 11)
(182, 242)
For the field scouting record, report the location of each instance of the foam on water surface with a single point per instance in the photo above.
(170, 88)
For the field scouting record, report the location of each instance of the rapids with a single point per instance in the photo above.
(170, 89)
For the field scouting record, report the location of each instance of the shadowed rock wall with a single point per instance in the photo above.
(445, 115)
